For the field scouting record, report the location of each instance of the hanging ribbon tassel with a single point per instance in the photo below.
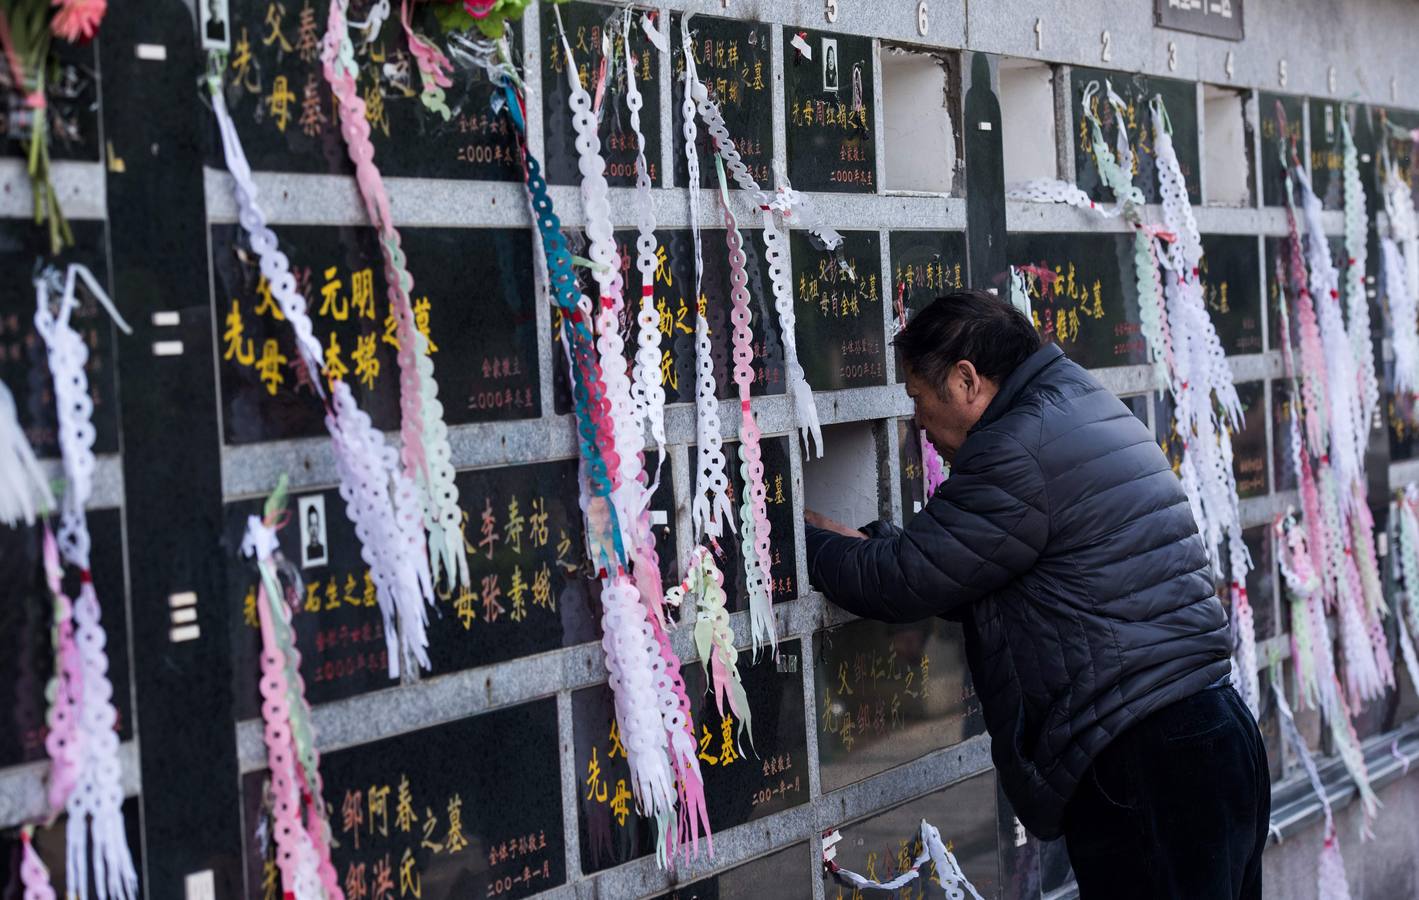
(426, 453)
(753, 516)
(24, 489)
(96, 842)
(434, 66)
(302, 852)
(1407, 614)
(714, 639)
(33, 874)
(1331, 881)
(948, 871)
(65, 741)
(784, 209)
(1400, 250)
(380, 499)
(1357, 301)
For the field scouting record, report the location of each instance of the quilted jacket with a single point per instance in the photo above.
(1065, 545)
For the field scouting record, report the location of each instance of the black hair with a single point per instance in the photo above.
(972, 325)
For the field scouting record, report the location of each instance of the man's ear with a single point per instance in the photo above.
(970, 378)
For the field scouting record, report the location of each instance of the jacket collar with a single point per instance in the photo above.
(1017, 381)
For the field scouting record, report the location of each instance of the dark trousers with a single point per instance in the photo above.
(1176, 807)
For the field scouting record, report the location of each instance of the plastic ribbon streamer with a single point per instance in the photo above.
(24, 489)
(380, 498)
(1202, 385)
(64, 742)
(710, 509)
(1400, 267)
(1336, 509)
(781, 210)
(753, 514)
(434, 66)
(948, 871)
(1331, 881)
(652, 709)
(647, 390)
(302, 830)
(714, 639)
(426, 454)
(1407, 615)
(1357, 302)
(33, 875)
(94, 833)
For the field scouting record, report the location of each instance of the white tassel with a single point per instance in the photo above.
(24, 490)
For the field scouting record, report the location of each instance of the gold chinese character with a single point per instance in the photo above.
(232, 336)
(335, 368)
(404, 815)
(332, 304)
(274, 13)
(366, 362)
(362, 292)
(279, 102)
(421, 322)
(456, 840)
(378, 800)
(268, 367)
(542, 589)
(516, 591)
(267, 304)
(595, 788)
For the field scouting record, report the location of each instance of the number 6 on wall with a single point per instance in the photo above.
(921, 23)
(830, 9)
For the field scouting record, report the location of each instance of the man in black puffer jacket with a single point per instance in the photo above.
(1065, 545)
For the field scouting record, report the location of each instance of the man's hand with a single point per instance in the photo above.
(818, 520)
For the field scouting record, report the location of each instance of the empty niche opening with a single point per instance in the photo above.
(1027, 125)
(920, 94)
(1226, 147)
(845, 484)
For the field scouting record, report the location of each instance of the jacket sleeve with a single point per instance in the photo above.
(985, 525)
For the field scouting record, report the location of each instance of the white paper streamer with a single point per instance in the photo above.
(1331, 882)
(24, 489)
(1357, 301)
(1401, 277)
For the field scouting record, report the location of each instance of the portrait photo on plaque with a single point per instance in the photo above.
(315, 549)
(830, 65)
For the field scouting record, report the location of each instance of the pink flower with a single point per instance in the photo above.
(479, 9)
(77, 20)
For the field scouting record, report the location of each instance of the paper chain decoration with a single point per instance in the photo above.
(1407, 615)
(1400, 269)
(380, 498)
(1182, 343)
(425, 452)
(302, 829)
(933, 849)
(87, 775)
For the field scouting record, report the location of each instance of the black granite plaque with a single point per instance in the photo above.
(478, 316)
(336, 622)
(1273, 172)
(674, 290)
(1083, 295)
(1261, 580)
(1402, 151)
(24, 365)
(1328, 149)
(1231, 288)
(885, 844)
(593, 29)
(49, 843)
(743, 781)
(1249, 459)
(26, 627)
(286, 115)
(1218, 19)
(790, 871)
(912, 468)
(1138, 405)
(888, 694)
(925, 265)
(778, 486)
(1270, 726)
(1137, 91)
(735, 64)
(829, 109)
(839, 311)
(467, 809)
(1281, 455)
(71, 106)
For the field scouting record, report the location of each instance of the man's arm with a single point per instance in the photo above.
(985, 526)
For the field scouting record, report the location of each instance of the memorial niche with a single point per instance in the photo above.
(284, 113)
(478, 316)
(1328, 150)
(1228, 272)
(885, 844)
(829, 112)
(749, 881)
(528, 592)
(1273, 182)
(24, 365)
(889, 694)
(675, 309)
(913, 475)
(778, 486)
(26, 628)
(1249, 456)
(408, 823)
(735, 64)
(1083, 295)
(1136, 91)
(743, 781)
(839, 311)
(925, 265)
(594, 29)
